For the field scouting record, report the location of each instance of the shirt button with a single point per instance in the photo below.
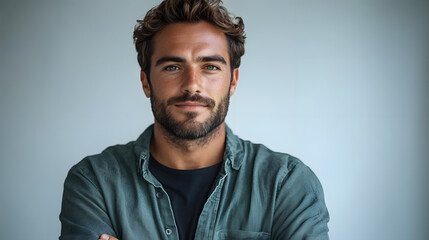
(159, 194)
(168, 231)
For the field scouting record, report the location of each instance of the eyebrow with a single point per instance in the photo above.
(169, 59)
(214, 58)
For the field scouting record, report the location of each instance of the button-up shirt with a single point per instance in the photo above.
(258, 194)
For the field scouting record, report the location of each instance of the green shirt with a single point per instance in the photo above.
(258, 194)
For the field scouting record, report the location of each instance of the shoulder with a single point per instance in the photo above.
(118, 157)
(244, 153)
(113, 161)
(112, 155)
(261, 157)
(282, 168)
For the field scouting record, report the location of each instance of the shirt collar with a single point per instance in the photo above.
(233, 156)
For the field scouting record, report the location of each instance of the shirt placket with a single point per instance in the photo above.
(165, 212)
(164, 209)
(207, 220)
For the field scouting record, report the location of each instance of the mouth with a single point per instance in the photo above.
(190, 105)
(191, 102)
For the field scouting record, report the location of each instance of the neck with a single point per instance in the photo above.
(179, 153)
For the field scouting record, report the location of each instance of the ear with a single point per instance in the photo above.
(234, 81)
(145, 83)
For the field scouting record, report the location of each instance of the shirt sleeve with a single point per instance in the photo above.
(83, 213)
(300, 212)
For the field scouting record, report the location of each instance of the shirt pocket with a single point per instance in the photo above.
(225, 234)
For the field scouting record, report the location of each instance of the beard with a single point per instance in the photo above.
(189, 129)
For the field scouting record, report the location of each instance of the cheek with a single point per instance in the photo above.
(219, 82)
(219, 91)
(164, 89)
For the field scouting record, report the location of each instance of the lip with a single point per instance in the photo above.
(190, 105)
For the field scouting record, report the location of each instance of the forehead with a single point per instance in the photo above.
(190, 40)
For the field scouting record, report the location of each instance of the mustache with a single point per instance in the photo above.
(194, 98)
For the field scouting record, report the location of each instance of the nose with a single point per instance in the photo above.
(192, 81)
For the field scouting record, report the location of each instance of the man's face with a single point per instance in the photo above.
(190, 79)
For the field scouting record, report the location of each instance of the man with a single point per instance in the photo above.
(188, 176)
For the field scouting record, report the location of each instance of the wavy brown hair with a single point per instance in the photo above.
(175, 11)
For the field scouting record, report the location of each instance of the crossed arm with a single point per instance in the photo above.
(300, 208)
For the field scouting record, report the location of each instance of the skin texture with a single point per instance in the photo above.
(189, 59)
(107, 237)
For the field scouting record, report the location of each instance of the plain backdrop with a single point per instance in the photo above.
(343, 85)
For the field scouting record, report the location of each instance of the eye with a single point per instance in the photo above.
(171, 68)
(211, 67)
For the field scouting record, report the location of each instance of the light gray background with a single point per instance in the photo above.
(343, 85)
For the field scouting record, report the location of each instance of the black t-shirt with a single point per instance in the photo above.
(188, 191)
